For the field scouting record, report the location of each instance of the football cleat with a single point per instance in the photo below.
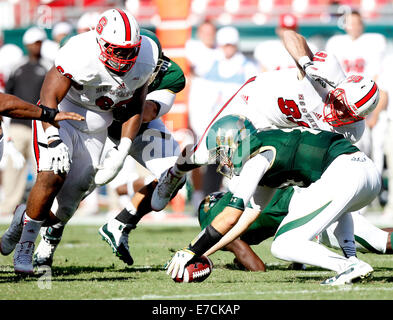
(45, 251)
(166, 187)
(12, 235)
(23, 258)
(116, 235)
(357, 271)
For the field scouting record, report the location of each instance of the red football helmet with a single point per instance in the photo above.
(352, 100)
(119, 40)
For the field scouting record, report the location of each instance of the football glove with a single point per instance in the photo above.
(324, 67)
(113, 162)
(178, 262)
(58, 152)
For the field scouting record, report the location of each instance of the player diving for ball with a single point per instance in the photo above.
(335, 179)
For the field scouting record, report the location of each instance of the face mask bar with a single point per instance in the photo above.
(119, 58)
(337, 111)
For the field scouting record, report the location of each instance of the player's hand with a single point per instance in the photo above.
(18, 160)
(113, 162)
(324, 67)
(59, 156)
(177, 264)
(66, 116)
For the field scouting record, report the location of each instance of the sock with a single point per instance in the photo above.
(177, 172)
(31, 228)
(128, 216)
(345, 236)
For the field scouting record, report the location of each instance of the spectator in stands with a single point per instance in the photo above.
(271, 54)
(61, 31)
(200, 53)
(24, 82)
(362, 53)
(227, 74)
(87, 21)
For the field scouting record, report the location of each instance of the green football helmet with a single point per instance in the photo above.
(224, 137)
(160, 61)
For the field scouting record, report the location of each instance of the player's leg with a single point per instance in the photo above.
(196, 156)
(79, 183)
(368, 237)
(156, 150)
(40, 199)
(349, 183)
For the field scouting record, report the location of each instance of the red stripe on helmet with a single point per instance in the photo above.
(367, 96)
(127, 24)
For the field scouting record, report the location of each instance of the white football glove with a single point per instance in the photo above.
(113, 162)
(324, 67)
(18, 160)
(58, 152)
(178, 262)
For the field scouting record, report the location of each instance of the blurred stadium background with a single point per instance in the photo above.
(176, 21)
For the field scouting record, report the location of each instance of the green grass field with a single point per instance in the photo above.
(85, 268)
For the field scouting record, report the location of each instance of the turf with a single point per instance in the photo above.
(85, 268)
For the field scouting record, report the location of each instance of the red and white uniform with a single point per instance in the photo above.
(95, 92)
(279, 99)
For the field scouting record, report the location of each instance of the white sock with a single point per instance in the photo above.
(31, 228)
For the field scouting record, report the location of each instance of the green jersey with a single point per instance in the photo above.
(299, 157)
(264, 227)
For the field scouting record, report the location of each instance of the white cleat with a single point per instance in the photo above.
(166, 187)
(23, 258)
(43, 256)
(357, 271)
(11, 237)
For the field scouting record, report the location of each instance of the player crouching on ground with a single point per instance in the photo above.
(368, 237)
(336, 178)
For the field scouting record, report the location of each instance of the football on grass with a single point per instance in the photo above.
(197, 270)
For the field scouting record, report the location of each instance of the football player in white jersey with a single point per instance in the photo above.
(316, 95)
(99, 74)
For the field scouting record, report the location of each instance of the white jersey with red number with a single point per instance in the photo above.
(96, 91)
(279, 99)
(362, 55)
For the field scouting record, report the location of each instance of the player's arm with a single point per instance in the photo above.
(157, 104)
(14, 107)
(245, 256)
(297, 47)
(115, 157)
(225, 227)
(53, 90)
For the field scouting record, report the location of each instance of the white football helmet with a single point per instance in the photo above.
(352, 100)
(118, 37)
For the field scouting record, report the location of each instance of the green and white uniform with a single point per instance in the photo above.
(336, 179)
(368, 237)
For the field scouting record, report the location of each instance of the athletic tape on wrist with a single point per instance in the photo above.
(52, 133)
(48, 114)
(304, 62)
(206, 239)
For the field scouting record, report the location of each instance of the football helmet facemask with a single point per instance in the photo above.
(224, 137)
(352, 100)
(118, 37)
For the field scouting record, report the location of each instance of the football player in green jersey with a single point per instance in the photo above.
(368, 237)
(335, 179)
(166, 81)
